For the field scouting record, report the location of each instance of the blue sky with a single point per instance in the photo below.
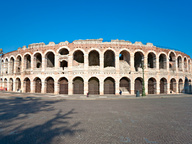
(165, 23)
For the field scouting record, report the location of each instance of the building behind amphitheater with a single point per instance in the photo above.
(96, 67)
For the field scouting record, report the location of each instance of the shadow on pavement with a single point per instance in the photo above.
(16, 127)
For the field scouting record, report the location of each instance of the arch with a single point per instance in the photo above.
(179, 63)
(27, 61)
(172, 85)
(163, 86)
(27, 85)
(12, 62)
(124, 60)
(189, 65)
(50, 59)
(6, 66)
(172, 61)
(63, 64)
(109, 86)
(63, 51)
(5, 83)
(38, 85)
(1, 83)
(185, 64)
(18, 84)
(78, 58)
(94, 58)
(138, 85)
(180, 86)
(152, 86)
(63, 85)
(109, 59)
(37, 60)
(186, 85)
(78, 85)
(190, 87)
(11, 84)
(93, 86)
(18, 64)
(62, 47)
(162, 61)
(49, 85)
(151, 60)
(138, 60)
(125, 85)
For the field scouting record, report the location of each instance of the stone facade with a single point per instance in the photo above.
(96, 67)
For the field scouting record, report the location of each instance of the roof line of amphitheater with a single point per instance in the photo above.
(96, 42)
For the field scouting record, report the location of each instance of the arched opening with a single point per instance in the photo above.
(6, 66)
(124, 60)
(179, 63)
(93, 86)
(172, 65)
(109, 59)
(186, 85)
(138, 85)
(78, 85)
(50, 56)
(27, 83)
(18, 64)
(109, 86)
(152, 86)
(27, 61)
(138, 60)
(18, 84)
(5, 83)
(185, 64)
(11, 84)
(163, 86)
(180, 86)
(78, 58)
(63, 51)
(1, 83)
(50, 85)
(125, 85)
(38, 60)
(172, 85)
(38, 85)
(94, 58)
(162, 61)
(12, 65)
(63, 64)
(2, 67)
(151, 61)
(63, 86)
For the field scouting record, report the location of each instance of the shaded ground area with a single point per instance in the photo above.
(38, 121)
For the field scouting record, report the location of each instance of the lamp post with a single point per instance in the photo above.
(143, 88)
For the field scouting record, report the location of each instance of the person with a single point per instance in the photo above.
(120, 92)
(87, 94)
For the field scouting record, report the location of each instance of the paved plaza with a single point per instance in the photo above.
(32, 120)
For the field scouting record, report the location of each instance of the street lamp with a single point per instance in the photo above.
(143, 88)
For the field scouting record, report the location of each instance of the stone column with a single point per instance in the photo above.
(23, 85)
(117, 63)
(117, 87)
(177, 90)
(101, 62)
(86, 62)
(56, 88)
(132, 87)
(70, 88)
(32, 86)
(32, 63)
(168, 64)
(146, 85)
(85, 86)
(158, 86)
(15, 66)
(70, 63)
(43, 87)
(168, 87)
(56, 63)
(157, 64)
(43, 63)
(132, 62)
(14, 88)
(101, 87)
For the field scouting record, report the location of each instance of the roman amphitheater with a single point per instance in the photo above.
(96, 67)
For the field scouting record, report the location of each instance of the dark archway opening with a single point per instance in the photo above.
(180, 86)
(163, 86)
(63, 52)
(63, 64)
(162, 61)
(50, 85)
(109, 59)
(27, 85)
(28, 61)
(179, 63)
(138, 85)
(125, 85)
(78, 86)
(50, 59)
(38, 85)
(38, 61)
(172, 85)
(63, 86)
(109, 86)
(151, 61)
(138, 59)
(94, 86)
(152, 86)
(93, 58)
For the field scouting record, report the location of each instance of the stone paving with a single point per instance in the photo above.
(31, 120)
